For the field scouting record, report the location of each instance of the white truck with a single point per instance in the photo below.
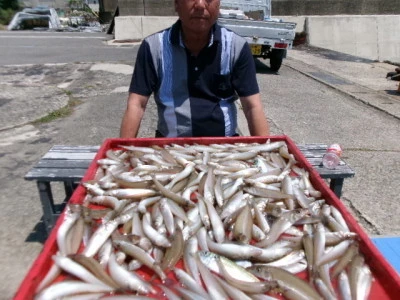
(251, 19)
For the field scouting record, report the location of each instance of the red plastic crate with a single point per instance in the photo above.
(386, 284)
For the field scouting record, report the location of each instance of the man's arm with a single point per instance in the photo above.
(133, 115)
(254, 112)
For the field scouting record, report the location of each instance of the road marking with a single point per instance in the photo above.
(120, 90)
(47, 64)
(51, 36)
(113, 68)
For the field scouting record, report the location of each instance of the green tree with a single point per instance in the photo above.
(6, 4)
(75, 4)
(7, 10)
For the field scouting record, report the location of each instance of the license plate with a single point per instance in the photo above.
(255, 49)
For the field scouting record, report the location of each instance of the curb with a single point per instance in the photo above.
(344, 91)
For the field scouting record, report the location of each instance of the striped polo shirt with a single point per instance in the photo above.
(195, 94)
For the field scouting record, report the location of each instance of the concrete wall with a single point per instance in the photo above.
(146, 7)
(335, 7)
(138, 27)
(279, 7)
(375, 37)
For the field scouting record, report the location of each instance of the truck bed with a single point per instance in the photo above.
(260, 29)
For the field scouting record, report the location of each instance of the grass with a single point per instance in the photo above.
(62, 112)
(68, 93)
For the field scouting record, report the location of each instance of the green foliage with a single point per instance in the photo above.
(75, 4)
(9, 4)
(6, 15)
(62, 112)
(7, 10)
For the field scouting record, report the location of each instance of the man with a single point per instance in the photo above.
(196, 69)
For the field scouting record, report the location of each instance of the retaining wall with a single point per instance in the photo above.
(335, 7)
(375, 37)
(279, 7)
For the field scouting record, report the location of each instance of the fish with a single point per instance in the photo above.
(95, 268)
(210, 260)
(286, 220)
(215, 220)
(99, 237)
(190, 283)
(174, 253)
(71, 216)
(293, 287)
(258, 287)
(243, 218)
(128, 280)
(131, 193)
(154, 236)
(173, 196)
(243, 225)
(234, 251)
(71, 287)
(233, 292)
(214, 289)
(141, 255)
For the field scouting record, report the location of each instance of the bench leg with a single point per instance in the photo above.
(46, 198)
(69, 187)
(336, 186)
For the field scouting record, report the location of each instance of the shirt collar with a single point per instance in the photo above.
(175, 35)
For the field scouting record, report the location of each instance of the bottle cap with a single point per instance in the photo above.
(335, 148)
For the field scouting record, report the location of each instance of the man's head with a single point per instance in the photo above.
(198, 16)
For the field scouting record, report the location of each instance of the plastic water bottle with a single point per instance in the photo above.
(331, 158)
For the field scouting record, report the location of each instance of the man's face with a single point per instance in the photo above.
(197, 15)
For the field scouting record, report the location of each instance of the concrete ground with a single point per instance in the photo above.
(370, 137)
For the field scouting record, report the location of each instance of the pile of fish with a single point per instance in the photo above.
(219, 221)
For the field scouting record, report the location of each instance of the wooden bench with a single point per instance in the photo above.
(314, 153)
(68, 165)
(65, 164)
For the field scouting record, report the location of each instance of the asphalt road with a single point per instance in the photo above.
(355, 108)
(42, 47)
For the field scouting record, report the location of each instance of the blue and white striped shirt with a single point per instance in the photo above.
(195, 94)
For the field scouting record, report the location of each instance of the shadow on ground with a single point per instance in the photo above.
(38, 233)
(263, 68)
(393, 93)
(331, 54)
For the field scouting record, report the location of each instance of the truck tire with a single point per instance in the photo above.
(275, 59)
(275, 63)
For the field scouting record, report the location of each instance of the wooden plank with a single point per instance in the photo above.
(64, 163)
(312, 147)
(60, 161)
(46, 174)
(69, 155)
(315, 161)
(69, 148)
(312, 153)
(339, 172)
